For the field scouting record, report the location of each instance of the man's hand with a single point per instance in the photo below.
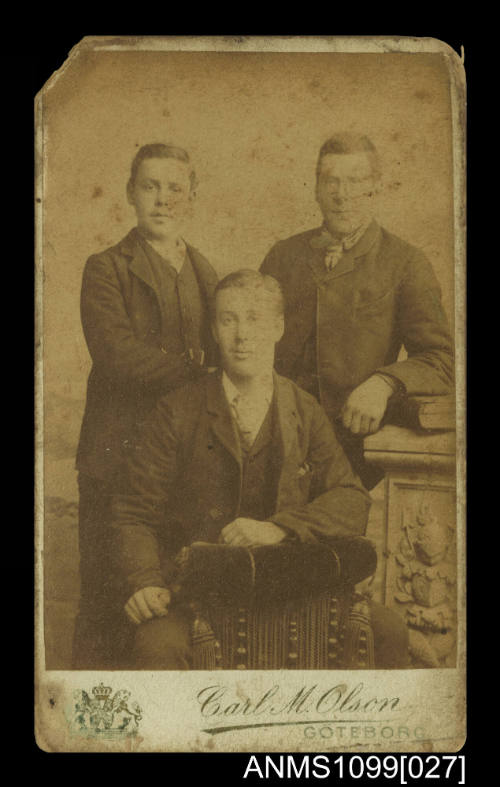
(366, 405)
(251, 533)
(147, 603)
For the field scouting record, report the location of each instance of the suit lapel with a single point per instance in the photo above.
(316, 263)
(302, 280)
(207, 279)
(221, 422)
(366, 243)
(140, 265)
(287, 417)
(345, 265)
(287, 425)
(290, 430)
(349, 258)
(315, 259)
(223, 426)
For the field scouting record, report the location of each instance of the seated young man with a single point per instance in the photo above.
(220, 461)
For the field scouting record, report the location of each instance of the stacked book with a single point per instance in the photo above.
(427, 413)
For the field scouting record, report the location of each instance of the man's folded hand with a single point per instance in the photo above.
(147, 603)
(366, 405)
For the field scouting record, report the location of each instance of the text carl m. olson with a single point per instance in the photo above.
(216, 700)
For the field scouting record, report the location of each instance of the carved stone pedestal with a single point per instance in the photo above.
(419, 537)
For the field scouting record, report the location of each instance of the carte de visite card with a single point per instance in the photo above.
(250, 410)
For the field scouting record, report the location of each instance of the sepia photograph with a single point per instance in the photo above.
(250, 396)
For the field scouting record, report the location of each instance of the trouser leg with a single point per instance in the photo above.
(390, 635)
(101, 633)
(163, 643)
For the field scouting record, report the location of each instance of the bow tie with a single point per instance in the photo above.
(335, 247)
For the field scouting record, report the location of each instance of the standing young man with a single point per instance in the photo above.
(145, 315)
(355, 295)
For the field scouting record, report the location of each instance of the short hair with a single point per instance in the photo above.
(160, 150)
(350, 142)
(250, 279)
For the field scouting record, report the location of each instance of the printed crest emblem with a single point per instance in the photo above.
(103, 713)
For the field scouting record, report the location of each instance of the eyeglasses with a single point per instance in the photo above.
(352, 186)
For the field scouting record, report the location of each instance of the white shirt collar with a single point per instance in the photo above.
(174, 252)
(264, 393)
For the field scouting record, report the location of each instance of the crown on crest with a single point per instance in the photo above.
(101, 692)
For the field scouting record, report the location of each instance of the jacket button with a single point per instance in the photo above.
(153, 330)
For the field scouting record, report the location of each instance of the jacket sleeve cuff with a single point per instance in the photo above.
(153, 579)
(390, 375)
(295, 529)
(393, 380)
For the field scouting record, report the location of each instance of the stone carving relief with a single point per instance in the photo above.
(426, 586)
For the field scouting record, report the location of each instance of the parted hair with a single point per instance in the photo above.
(160, 150)
(350, 142)
(249, 279)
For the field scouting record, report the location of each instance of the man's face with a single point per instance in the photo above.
(246, 328)
(344, 191)
(161, 196)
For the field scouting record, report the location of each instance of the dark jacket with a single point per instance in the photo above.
(381, 296)
(185, 479)
(121, 321)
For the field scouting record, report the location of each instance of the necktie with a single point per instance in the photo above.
(243, 416)
(333, 255)
(334, 248)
